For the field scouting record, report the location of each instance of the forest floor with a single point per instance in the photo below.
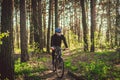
(78, 65)
(44, 62)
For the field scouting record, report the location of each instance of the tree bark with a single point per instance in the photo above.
(44, 23)
(56, 13)
(108, 33)
(85, 28)
(93, 24)
(23, 33)
(48, 32)
(117, 42)
(40, 24)
(31, 30)
(35, 20)
(52, 16)
(6, 54)
(0, 22)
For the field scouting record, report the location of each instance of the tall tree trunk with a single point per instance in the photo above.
(99, 32)
(40, 24)
(117, 42)
(0, 22)
(35, 20)
(44, 23)
(108, 35)
(93, 24)
(85, 28)
(52, 18)
(31, 30)
(109, 24)
(23, 33)
(6, 54)
(56, 13)
(62, 15)
(48, 32)
(31, 33)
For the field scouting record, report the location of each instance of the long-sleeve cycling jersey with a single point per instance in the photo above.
(56, 40)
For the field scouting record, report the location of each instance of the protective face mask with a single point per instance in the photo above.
(59, 34)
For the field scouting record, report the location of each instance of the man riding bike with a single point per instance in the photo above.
(56, 40)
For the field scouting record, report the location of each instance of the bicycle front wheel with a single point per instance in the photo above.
(60, 68)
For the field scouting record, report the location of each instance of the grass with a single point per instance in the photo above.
(98, 65)
(43, 59)
(29, 68)
(68, 65)
(105, 52)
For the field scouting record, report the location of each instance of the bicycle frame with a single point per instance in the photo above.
(59, 62)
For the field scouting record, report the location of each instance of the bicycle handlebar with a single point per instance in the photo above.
(57, 47)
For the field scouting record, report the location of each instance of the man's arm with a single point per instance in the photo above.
(64, 40)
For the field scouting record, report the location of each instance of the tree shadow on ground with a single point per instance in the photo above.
(47, 75)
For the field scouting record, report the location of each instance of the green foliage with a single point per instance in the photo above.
(95, 70)
(27, 68)
(73, 38)
(35, 47)
(74, 68)
(30, 49)
(2, 35)
(99, 67)
(100, 42)
(21, 68)
(116, 74)
(104, 52)
(69, 65)
(44, 59)
(108, 56)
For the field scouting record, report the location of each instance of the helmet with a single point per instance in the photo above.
(58, 30)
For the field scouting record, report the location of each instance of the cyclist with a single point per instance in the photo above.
(56, 40)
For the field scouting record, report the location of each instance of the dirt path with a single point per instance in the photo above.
(50, 75)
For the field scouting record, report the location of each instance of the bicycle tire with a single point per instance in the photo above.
(60, 68)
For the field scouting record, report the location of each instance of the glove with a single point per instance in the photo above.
(52, 48)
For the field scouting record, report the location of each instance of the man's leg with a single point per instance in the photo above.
(53, 55)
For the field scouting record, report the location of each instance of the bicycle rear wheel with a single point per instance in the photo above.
(60, 68)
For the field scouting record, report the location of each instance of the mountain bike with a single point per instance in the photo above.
(58, 62)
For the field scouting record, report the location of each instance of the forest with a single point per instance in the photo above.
(91, 29)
